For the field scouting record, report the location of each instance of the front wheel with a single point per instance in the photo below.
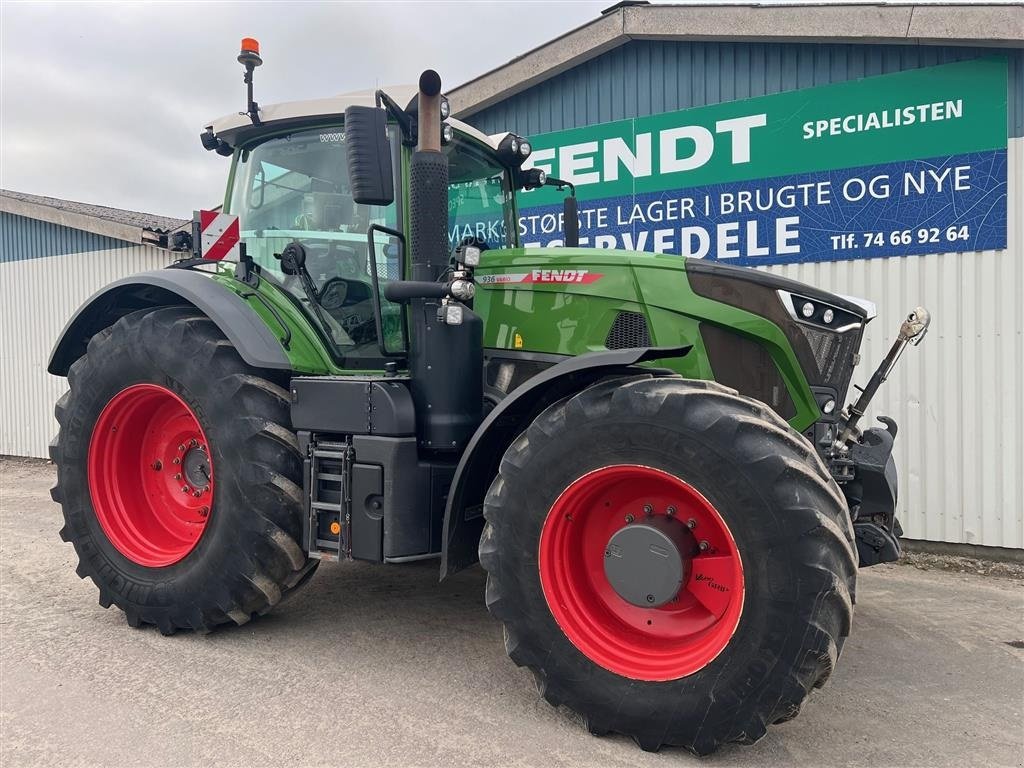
(179, 475)
(671, 561)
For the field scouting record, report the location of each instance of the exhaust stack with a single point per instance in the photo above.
(428, 186)
(444, 359)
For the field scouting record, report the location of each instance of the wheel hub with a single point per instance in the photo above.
(196, 467)
(648, 562)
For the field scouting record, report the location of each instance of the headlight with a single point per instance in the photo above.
(447, 134)
(451, 314)
(514, 150)
(827, 317)
(531, 178)
(445, 108)
(463, 290)
(468, 255)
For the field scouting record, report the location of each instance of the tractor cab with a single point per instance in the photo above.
(290, 184)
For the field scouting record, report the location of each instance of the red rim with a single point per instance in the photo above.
(150, 475)
(642, 643)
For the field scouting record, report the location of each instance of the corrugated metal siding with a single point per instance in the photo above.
(38, 295)
(958, 397)
(647, 77)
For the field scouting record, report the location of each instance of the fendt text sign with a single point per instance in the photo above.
(893, 165)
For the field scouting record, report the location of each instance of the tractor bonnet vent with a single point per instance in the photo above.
(628, 331)
(833, 352)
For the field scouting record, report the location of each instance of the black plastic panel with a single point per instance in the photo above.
(368, 500)
(353, 405)
(746, 366)
(399, 495)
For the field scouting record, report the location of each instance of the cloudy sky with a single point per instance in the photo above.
(105, 103)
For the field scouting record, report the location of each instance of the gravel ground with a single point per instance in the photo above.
(925, 561)
(384, 666)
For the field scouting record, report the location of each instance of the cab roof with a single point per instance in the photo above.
(236, 128)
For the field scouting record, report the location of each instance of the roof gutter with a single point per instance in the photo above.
(73, 220)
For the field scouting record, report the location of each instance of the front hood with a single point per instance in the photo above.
(524, 264)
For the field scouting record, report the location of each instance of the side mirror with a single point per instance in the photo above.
(571, 222)
(369, 156)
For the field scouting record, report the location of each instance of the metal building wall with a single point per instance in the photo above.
(46, 272)
(647, 77)
(959, 398)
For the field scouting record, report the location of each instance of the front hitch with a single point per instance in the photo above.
(862, 462)
(912, 331)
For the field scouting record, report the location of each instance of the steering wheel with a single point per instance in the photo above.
(334, 293)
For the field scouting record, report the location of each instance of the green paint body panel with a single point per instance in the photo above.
(573, 318)
(306, 350)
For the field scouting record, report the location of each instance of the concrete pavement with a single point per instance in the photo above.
(384, 666)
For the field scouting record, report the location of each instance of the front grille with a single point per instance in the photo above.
(628, 331)
(833, 353)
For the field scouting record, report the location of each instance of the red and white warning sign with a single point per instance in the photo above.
(219, 235)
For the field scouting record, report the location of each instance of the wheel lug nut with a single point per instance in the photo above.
(648, 510)
(204, 511)
(193, 442)
(181, 447)
(177, 460)
(177, 476)
(158, 465)
(629, 518)
(197, 494)
(670, 511)
(703, 546)
(184, 489)
(691, 523)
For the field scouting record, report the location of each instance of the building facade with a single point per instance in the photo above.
(54, 254)
(641, 70)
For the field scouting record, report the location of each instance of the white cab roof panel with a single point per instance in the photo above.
(224, 127)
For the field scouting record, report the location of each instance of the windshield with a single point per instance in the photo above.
(295, 187)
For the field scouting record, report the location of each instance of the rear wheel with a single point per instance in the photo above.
(178, 475)
(671, 560)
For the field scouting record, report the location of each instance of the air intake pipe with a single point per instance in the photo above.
(445, 360)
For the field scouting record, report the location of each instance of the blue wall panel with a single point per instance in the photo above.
(24, 238)
(646, 77)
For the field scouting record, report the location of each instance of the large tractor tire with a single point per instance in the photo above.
(179, 475)
(671, 560)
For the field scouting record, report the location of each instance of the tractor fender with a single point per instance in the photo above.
(463, 515)
(254, 341)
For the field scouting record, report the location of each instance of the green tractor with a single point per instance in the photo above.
(648, 455)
